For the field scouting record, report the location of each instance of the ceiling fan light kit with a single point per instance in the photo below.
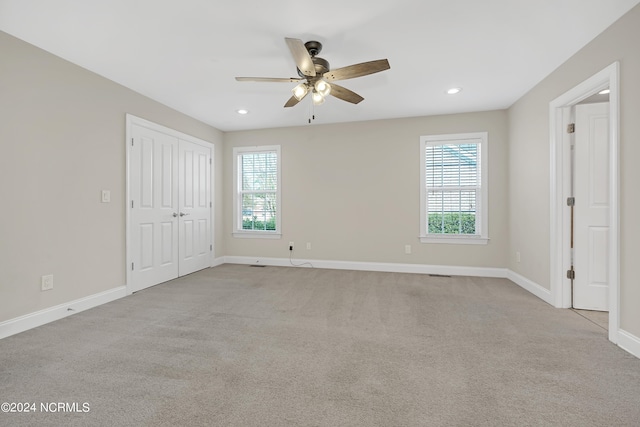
(300, 91)
(317, 97)
(323, 87)
(315, 71)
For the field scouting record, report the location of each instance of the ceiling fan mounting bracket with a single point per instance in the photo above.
(313, 47)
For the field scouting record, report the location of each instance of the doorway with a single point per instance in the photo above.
(169, 209)
(590, 205)
(561, 115)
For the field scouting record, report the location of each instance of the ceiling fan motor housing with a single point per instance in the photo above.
(320, 64)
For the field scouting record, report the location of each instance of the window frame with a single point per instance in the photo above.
(482, 205)
(238, 231)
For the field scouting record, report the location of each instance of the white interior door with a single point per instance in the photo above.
(154, 196)
(592, 206)
(195, 207)
(170, 230)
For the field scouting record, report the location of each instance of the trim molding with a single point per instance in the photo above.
(528, 285)
(629, 342)
(452, 270)
(39, 318)
(217, 261)
(559, 252)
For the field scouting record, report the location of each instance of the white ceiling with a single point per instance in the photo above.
(186, 53)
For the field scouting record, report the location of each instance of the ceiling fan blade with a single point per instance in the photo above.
(357, 70)
(301, 56)
(268, 79)
(293, 101)
(345, 94)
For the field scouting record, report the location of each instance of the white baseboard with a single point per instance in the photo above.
(543, 293)
(450, 270)
(39, 318)
(217, 261)
(629, 342)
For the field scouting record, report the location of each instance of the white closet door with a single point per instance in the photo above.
(195, 207)
(154, 214)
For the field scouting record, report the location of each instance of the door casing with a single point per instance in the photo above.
(560, 115)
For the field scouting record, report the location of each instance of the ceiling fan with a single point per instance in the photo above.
(317, 78)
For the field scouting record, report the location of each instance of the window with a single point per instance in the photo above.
(453, 185)
(257, 191)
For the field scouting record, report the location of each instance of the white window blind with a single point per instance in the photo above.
(453, 184)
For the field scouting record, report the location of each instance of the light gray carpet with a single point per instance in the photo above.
(245, 346)
(600, 318)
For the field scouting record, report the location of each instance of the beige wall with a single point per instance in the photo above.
(352, 191)
(62, 131)
(529, 161)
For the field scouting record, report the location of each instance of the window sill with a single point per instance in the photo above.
(455, 240)
(257, 235)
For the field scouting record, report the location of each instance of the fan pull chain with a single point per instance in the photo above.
(312, 112)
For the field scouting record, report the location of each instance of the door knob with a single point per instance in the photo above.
(183, 214)
(174, 214)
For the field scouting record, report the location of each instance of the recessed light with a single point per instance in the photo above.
(454, 90)
(604, 92)
(242, 111)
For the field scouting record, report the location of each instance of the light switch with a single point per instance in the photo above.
(106, 196)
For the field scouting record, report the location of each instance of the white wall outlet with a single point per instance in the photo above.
(290, 246)
(106, 196)
(518, 256)
(407, 249)
(47, 282)
(308, 246)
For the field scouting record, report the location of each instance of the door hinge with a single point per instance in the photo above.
(132, 142)
(209, 160)
(571, 274)
(131, 266)
(571, 128)
(132, 204)
(571, 201)
(210, 247)
(210, 204)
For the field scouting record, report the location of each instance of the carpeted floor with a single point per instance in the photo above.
(274, 346)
